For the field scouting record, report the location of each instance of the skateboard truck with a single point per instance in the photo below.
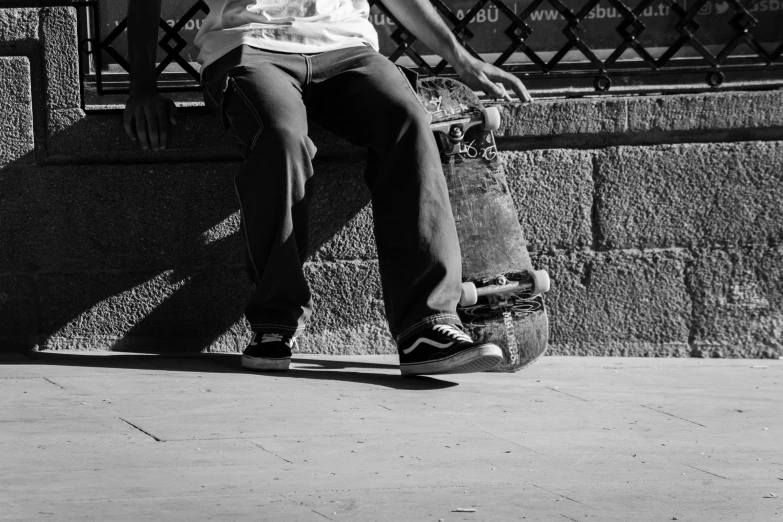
(455, 130)
(498, 293)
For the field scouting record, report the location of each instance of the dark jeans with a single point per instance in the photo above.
(265, 98)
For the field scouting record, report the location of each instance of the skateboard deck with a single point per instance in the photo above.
(502, 299)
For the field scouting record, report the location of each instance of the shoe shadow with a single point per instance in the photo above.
(322, 369)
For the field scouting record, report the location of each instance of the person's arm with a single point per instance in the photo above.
(424, 22)
(147, 115)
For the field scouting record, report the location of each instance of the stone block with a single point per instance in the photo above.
(618, 303)
(349, 316)
(341, 225)
(355, 240)
(690, 195)
(60, 58)
(556, 117)
(738, 302)
(194, 309)
(18, 25)
(113, 217)
(16, 111)
(18, 307)
(100, 137)
(727, 110)
(553, 193)
(61, 126)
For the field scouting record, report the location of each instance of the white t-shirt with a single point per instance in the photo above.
(292, 26)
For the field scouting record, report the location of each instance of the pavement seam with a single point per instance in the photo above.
(141, 430)
(271, 453)
(672, 415)
(47, 379)
(512, 442)
(559, 495)
(566, 393)
(303, 505)
(704, 471)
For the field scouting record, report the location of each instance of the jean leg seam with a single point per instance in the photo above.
(254, 112)
(247, 237)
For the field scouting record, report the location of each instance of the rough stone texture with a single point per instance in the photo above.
(355, 240)
(340, 214)
(101, 137)
(684, 195)
(193, 308)
(198, 135)
(16, 111)
(60, 57)
(618, 303)
(18, 25)
(730, 110)
(348, 316)
(553, 193)
(738, 302)
(96, 217)
(18, 307)
(548, 117)
(62, 123)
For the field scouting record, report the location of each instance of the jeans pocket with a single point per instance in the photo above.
(241, 115)
(215, 93)
(412, 77)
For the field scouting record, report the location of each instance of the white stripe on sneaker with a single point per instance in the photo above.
(412, 347)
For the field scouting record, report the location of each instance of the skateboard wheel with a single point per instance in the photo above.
(468, 295)
(491, 118)
(540, 282)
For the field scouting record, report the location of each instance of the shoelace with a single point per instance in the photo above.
(273, 337)
(452, 332)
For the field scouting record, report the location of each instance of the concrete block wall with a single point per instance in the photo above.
(659, 218)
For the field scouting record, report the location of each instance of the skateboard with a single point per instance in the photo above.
(502, 294)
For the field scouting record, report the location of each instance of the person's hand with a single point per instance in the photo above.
(492, 80)
(147, 119)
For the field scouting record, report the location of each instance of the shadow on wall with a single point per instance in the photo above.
(136, 251)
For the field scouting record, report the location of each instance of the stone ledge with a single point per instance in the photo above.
(639, 115)
(99, 137)
(729, 110)
(569, 116)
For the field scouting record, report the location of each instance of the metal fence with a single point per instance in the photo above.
(571, 47)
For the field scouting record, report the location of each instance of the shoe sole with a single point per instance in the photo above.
(479, 359)
(266, 365)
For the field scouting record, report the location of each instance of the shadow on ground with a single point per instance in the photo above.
(303, 367)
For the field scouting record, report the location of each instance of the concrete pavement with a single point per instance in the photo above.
(143, 437)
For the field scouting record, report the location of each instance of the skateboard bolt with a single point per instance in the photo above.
(501, 280)
(455, 132)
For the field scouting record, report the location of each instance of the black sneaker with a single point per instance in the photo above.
(271, 354)
(445, 348)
